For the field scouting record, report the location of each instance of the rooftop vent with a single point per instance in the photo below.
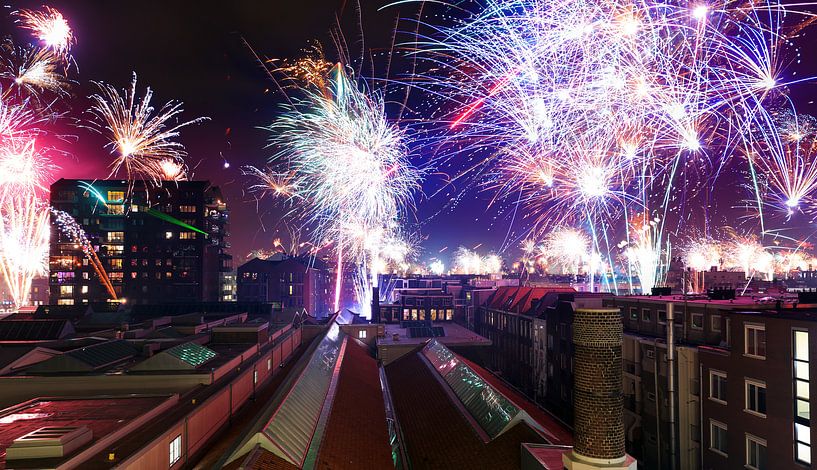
(49, 442)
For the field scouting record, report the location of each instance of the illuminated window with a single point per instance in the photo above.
(116, 237)
(66, 290)
(269, 364)
(755, 453)
(65, 301)
(175, 449)
(802, 394)
(187, 208)
(290, 289)
(361, 334)
(116, 263)
(755, 340)
(84, 289)
(116, 196)
(116, 209)
(187, 235)
(168, 235)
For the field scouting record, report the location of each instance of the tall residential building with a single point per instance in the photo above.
(165, 244)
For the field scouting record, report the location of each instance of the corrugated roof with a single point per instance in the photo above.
(103, 354)
(293, 424)
(191, 353)
(33, 330)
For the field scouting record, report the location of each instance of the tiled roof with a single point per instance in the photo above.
(34, 330)
(356, 435)
(436, 434)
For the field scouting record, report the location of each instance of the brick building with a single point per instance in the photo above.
(287, 282)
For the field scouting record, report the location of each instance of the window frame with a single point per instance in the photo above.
(717, 424)
(747, 382)
(760, 442)
(756, 327)
(692, 321)
(725, 377)
(175, 444)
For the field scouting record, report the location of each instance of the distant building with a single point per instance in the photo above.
(39, 291)
(157, 245)
(287, 282)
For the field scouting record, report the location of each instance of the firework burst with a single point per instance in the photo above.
(50, 27)
(141, 138)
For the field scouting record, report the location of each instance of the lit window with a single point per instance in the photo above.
(187, 235)
(717, 386)
(717, 437)
(697, 321)
(633, 313)
(290, 289)
(802, 400)
(755, 453)
(755, 340)
(361, 334)
(84, 289)
(168, 235)
(756, 397)
(662, 317)
(255, 377)
(65, 301)
(66, 290)
(269, 364)
(188, 209)
(175, 449)
(116, 237)
(116, 196)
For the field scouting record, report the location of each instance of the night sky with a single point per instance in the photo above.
(195, 52)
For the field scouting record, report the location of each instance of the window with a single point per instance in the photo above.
(65, 301)
(116, 196)
(650, 396)
(116, 237)
(116, 263)
(755, 453)
(168, 235)
(651, 354)
(66, 290)
(802, 397)
(116, 209)
(189, 209)
(633, 313)
(662, 317)
(717, 386)
(84, 289)
(717, 437)
(646, 314)
(755, 340)
(715, 323)
(254, 377)
(756, 397)
(361, 334)
(269, 364)
(187, 235)
(697, 321)
(175, 449)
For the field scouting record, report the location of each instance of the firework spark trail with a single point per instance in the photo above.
(69, 226)
(24, 233)
(348, 166)
(50, 27)
(592, 107)
(470, 262)
(141, 138)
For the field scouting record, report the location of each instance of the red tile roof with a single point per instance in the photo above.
(522, 298)
(436, 433)
(356, 435)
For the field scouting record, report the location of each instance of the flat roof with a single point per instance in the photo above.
(102, 416)
(740, 301)
(455, 335)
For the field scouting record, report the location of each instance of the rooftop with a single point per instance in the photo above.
(455, 335)
(103, 416)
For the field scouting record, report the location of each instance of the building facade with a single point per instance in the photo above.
(165, 244)
(287, 282)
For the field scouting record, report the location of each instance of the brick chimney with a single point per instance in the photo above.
(597, 392)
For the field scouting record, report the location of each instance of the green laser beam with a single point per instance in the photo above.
(94, 191)
(173, 220)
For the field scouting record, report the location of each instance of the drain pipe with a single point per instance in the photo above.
(671, 381)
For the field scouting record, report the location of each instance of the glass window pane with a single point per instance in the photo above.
(802, 409)
(801, 370)
(761, 399)
(802, 389)
(801, 345)
(804, 453)
(802, 433)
